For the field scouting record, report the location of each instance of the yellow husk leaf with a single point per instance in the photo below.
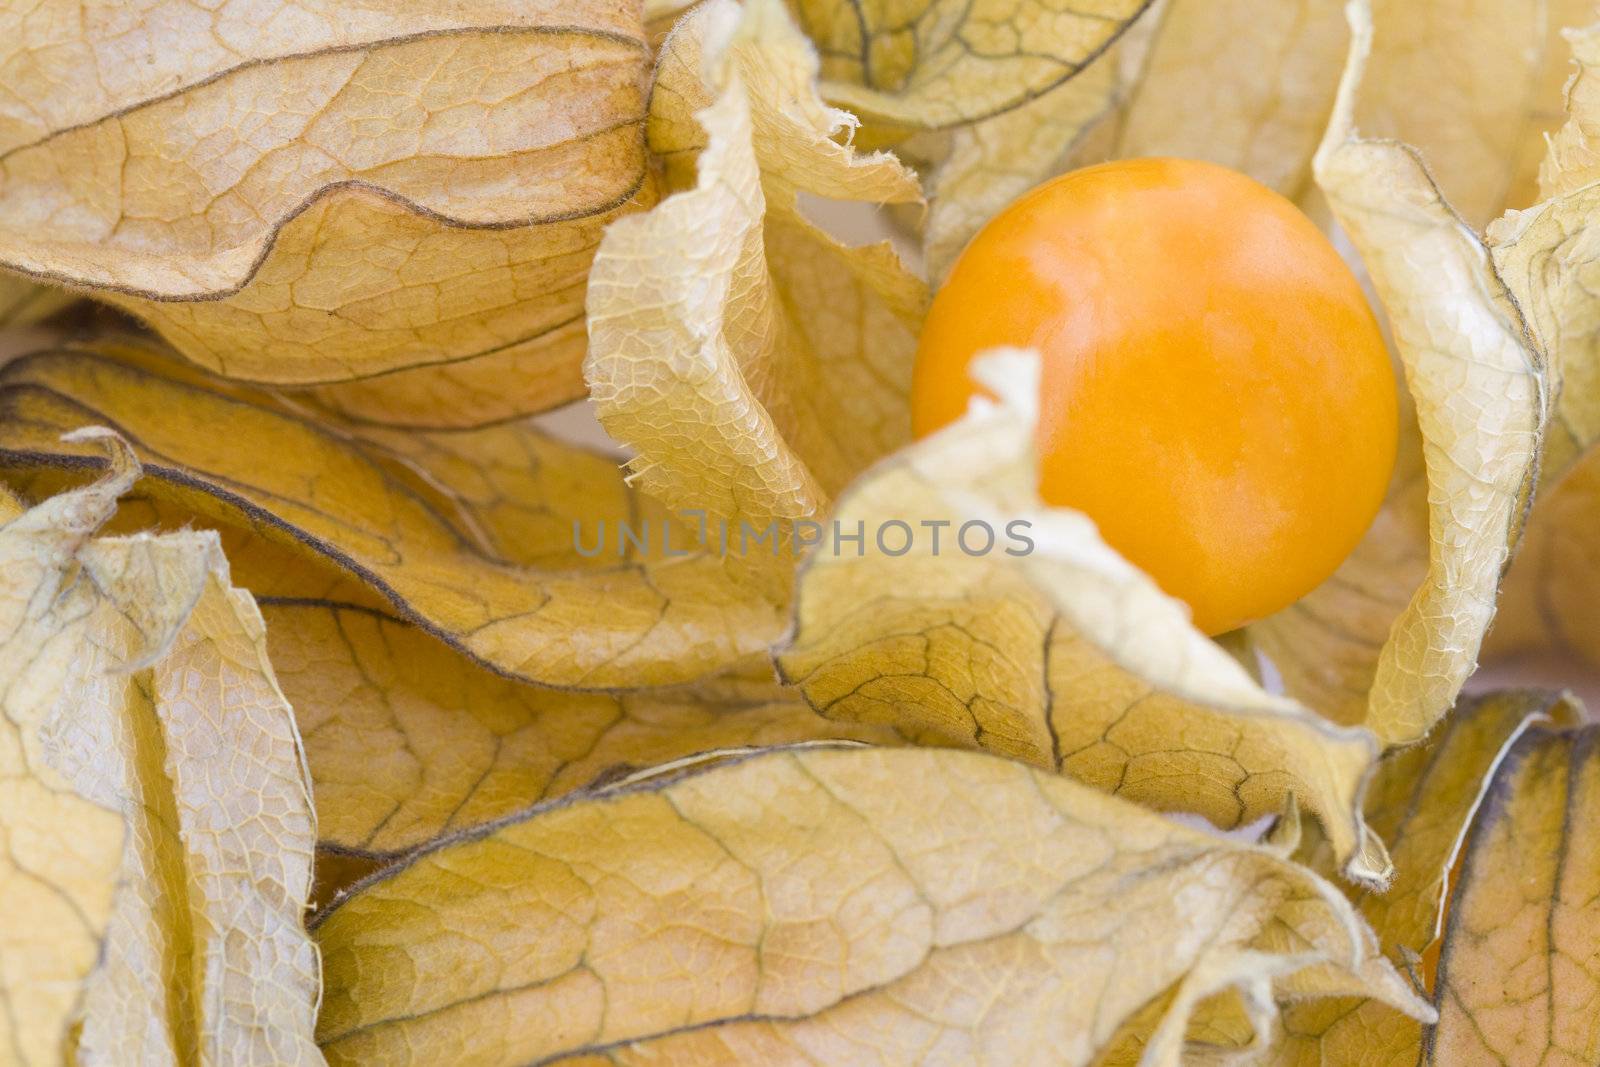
(1240, 83)
(1547, 254)
(1476, 377)
(660, 15)
(811, 905)
(1063, 655)
(408, 741)
(490, 566)
(1549, 602)
(1460, 80)
(1421, 802)
(23, 303)
(1423, 797)
(752, 362)
(156, 807)
(1520, 969)
(935, 63)
(334, 195)
(1561, 17)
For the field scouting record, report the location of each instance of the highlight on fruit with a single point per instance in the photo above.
(776, 532)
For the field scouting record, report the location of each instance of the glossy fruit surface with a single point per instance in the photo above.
(1215, 392)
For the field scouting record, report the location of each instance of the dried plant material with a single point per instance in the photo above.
(1547, 256)
(547, 371)
(499, 579)
(1421, 802)
(1549, 109)
(1476, 378)
(1549, 598)
(408, 741)
(1056, 651)
(1240, 83)
(731, 341)
(335, 196)
(23, 302)
(1519, 974)
(111, 55)
(1459, 81)
(1220, 1032)
(1423, 797)
(661, 15)
(157, 811)
(835, 904)
(936, 63)
(63, 851)
(1345, 1030)
(1474, 87)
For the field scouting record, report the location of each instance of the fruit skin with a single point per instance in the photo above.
(1215, 391)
